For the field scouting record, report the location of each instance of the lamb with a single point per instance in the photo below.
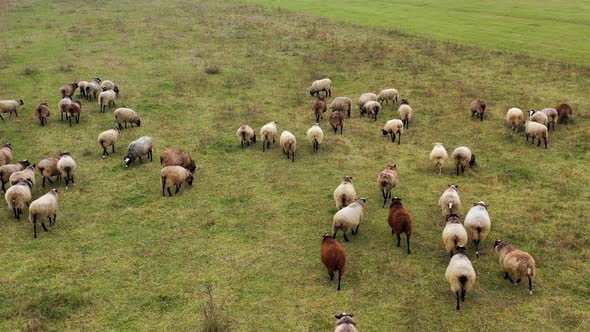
(478, 106)
(6, 154)
(176, 157)
(552, 117)
(460, 274)
(463, 157)
(564, 113)
(106, 98)
(345, 323)
(336, 120)
(44, 207)
(405, 113)
(387, 180)
(477, 224)
(538, 117)
(66, 166)
(68, 90)
(42, 112)
(324, 84)
(127, 115)
(27, 174)
(10, 106)
(62, 106)
(333, 256)
(454, 234)
(449, 201)
(268, 132)
(82, 88)
(141, 147)
(343, 104)
(175, 176)
(93, 89)
(349, 218)
(439, 156)
(516, 263)
(246, 135)
(18, 196)
(515, 118)
(537, 130)
(8, 169)
(365, 97)
(73, 110)
(319, 108)
(108, 138)
(400, 221)
(315, 135)
(394, 127)
(48, 168)
(289, 144)
(107, 84)
(344, 194)
(388, 94)
(372, 108)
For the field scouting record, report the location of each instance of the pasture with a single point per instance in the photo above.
(122, 257)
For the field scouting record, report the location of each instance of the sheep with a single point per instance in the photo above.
(462, 157)
(344, 194)
(348, 218)
(315, 135)
(460, 274)
(106, 98)
(333, 257)
(68, 90)
(319, 108)
(66, 166)
(552, 117)
(42, 112)
(44, 207)
(387, 180)
(405, 113)
(246, 135)
(439, 156)
(93, 89)
(345, 323)
(537, 130)
(289, 144)
(400, 221)
(372, 108)
(394, 128)
(336, 120)
(6, 154)
(73, 110)
(62, 106)
(108, 138)
(268, 132)
(449, 201)
(477, 224)
(324, 84)
(126, 115)
(8, 169)
(176, 157)
(454, 234)
(564, 113)
(107, 84)
(18, 196)
(343, 104)
(386, 95)
(10, 106)
(478, 107)
(27, 174)
(515, 118)
(365, 97)
(48, 168)
(141, 147)
(174, 176)
(538, 117)
(82, 88)
(516, 263)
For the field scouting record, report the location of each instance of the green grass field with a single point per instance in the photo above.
(122, 257)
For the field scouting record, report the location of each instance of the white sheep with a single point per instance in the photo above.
(454, 234)
(82, 86)
(345, 323)
(27, 174)
(405, 113)
(365, 97)
(18, 196)
(538, 117)
(450, 202)
(289, 144)
(552, 117)
(66, 167)
(142, 146)
(7, 170)
(62, 106)
(388, 94)
(174, 176)
(462, 156)
(460, 274)
(343, 104)
(43, 208)
(93, 88)
(349, 218)
(10, 106)
(315, 136)
(536, 130)
(439, 156)
(108, 138)
(372, 108)
(246, 135)
(394, 128)
(107, 84)
(477, 224)
(324, 84)
(268, 132)
(344, 194)
(387, 180)
(515, 118)
(126, 115)
(106, 98)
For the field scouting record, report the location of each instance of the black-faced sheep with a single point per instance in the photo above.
(27, 174)
(387, 95)
(268, 132)
(246, 135)
(93, 88)
(315, 136)
(536, 130)
(477, 224)
(43, 208)
(108, 138)
(289, 144)
(18, 196)
(405, 113)
(365, 97)
(344, 194)
(552, 117)
(127, 115)
(462, 156)
(460, 274)
(439, 156)
(345, 323)
(7, 170)
(450, 202)
(324, 84)
(174, 176)
(394, 128)
(66, 167)
(372, 108)
(342, 104)
(349, 218)
(10, 106)
(454, 234)
(106, 98)
(515, 118)
(538, 117)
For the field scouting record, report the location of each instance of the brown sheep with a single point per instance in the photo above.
(333, 257)
(68, 90)
(478, 107)
(42, 112)
(174, 176)
(6, 154)
(319, 107)
(73, 110)
(387, 181)
(515, 262)
(7, 170)
(177, 157)
(48, 168)
(336, 119)
(564, 113)
(400, 221)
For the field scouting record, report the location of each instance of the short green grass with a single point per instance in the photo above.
(121, 257)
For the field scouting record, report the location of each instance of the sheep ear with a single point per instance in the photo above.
(338, 316)
(475, 204)
(395, 166)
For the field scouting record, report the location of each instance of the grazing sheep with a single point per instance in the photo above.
(107, 84)
(66, 167)
(289, 144)
(478, 106)
(62, 106)
(515, 118)
(477, 224)
(450, 202)
(372, 108)
(48, 168)
(268, 132)
(175, 176)
(10, 106)
(27, 174)
(343, 104)
(336, 120)
(82, 88)
(42, 208)
(463, 157)
(42, 113)
(388, 94)
(319, 108)
(246, 135)
(564, 113)
(439, 156)
(17, 197)
(394, 127)
(68, 90)
(400, 221)
(108, 138)
(454, 234)
(315, 135)
(538, 117)
(6, 154)
(73, 110)
(552, 117)
(140, 147)
(365, 97)
(324, 84)
(516, 263)
(460, 274)
(333, 256)
(344, 194)
(349, 218)
(537, 130)
(8, 169)
(405, 113)
(93, 89)
(127, 115)
(387, 180)
(176, 157)
(345, 323)
(106, 98)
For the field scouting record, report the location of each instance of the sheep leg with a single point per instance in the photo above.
(15, 113)
(357, 229)
(530, 284)
(457, 169)
(463, 292)
(331, 274)
(392, 137)
(163, 186)
(242, 144)
(1, 117)
(399, 239)
(346, 238)
(126, 124)
(78, 118)
(506, 276)
(44, 228)
(151, 155)
(339, 279)
(54, 218)
(408, 241)
(481, 116)
(317, 117)
(113, 146)
(104, 152)
(341, 127)
(141, 161)
(178, 188)
(458, 307)
(4, 186)
(545, 140)
(335, 129)
(71, 121)
(15, 213)
(293, 156)
(476, 247)
(35, 227)
(263, 144)
(462, 169)
(169, 192)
